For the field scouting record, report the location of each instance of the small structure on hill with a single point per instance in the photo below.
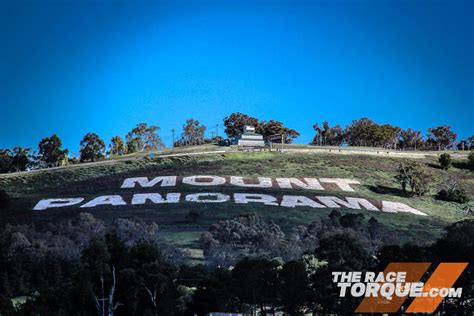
(249, 138)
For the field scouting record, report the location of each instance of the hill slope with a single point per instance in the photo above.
(375, 174)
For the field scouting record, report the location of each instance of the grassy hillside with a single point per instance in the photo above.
(376, 175)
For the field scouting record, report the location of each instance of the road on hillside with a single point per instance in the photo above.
(288, 149)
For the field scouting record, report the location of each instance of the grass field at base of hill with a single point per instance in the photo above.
(376, 175)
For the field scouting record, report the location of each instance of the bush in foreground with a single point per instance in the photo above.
(453, 195)
(445, 161)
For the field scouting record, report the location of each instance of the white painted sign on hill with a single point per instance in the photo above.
(261, 183)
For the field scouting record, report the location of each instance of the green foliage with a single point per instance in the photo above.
(453, 195)
(343, 250)
(410, 139)
(50, 153)
(18, 159)
(445, 161)
(365, 132)
(293, 291)
(117, 146)
(144, 137)
(330, 136)
(6, 160)
(92, 148)
(466, 144)
(255, 281)
(441, 137)
(414, 175)
(351, 220)
(140, 280)
(235, 123)
(193, 133)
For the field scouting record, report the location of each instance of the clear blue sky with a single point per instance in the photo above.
(70, 67)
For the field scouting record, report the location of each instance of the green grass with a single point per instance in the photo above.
(101, 179)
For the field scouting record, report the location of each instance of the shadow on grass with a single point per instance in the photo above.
(461, 165)
(381, 189)
(434, 165)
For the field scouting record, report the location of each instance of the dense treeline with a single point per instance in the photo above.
(367, 133)
(361, 132)
(125, 270)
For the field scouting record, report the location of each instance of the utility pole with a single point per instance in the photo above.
(217, 131)
(282, 141)
(172, 146)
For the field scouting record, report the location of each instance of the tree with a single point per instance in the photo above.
(96, 259)
(413, 174)
(452, 192)
(273, 127)
(466, 144)
(193, 132)
(6, 306)
(385, 136)
(92, 148)
(155, 276)
(410, 139)
(351, 220)
(334, 136)
(342, 252)
(458, 246)
(117, 146)
(20, 158)
(214, 293)
(248, 234)
(445, 161)
(255, 282)
(6, 160)
(235, 123)
(144, 137)
(361, 132)
(293, 288)
(50, 152)
(441, 137)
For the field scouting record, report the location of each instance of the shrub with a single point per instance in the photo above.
(445, 161)
(453, 195)
(412, 174)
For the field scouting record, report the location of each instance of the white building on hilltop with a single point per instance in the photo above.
(250, 138)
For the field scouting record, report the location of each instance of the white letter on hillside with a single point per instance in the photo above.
(105, 200)
(296, 200)
(311, 183)
(262, 182)
(50, 203)
(354, 203)
(167, 181)
(141, 198)
(343, 184)
(193, 180)
(219, 197)
(396, 207)
(245, 198)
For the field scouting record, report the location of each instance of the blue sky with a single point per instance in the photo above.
(70, 67)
